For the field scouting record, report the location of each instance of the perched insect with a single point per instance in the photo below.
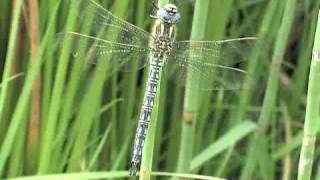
(216, 62)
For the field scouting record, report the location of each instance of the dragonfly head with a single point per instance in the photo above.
(169, 14)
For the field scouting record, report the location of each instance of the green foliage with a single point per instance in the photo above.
(88, 113)
(311, 126)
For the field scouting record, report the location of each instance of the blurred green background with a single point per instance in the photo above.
(58, 115)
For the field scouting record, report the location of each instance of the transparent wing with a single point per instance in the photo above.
(100, 19)
(101, 34)
(212, 64)
(92, 50)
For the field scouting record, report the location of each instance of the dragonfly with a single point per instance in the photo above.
(124, 45)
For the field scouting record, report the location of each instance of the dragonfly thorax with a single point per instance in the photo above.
(169, 14)
(163, 45)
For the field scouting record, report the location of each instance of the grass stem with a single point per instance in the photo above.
(191, 98)
(270, 97)
(311, 124)
(148, 149)
(33, 133)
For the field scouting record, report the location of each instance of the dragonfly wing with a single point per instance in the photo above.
(214, 64)
(106, 25)
(99, 34)
(93, 50)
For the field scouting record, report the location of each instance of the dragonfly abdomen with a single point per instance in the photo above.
(145, 115)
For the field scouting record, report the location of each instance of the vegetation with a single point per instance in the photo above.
(64, 118)
(312, 117)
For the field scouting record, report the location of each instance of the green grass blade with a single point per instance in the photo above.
(10, 56)
(227, 140)
(91, 103)
(148, 149)
(23, 101)
(78, 176)
(54, 106)
(191, 94)
(94, 159)
(311, 125)
(273, 79)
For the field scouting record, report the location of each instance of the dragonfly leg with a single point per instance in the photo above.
(153, 16)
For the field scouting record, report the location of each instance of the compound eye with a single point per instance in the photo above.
(171, 11)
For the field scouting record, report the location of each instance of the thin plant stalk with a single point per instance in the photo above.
(148, 149)
(215, 31)
(54, 106)
(191, 97)
(16, 159)
(174, 132)
(253, 66)
(92, 98)
(269, 101)
(47, 76)
(287, 160)
(33, 132)
(278, 56)
(129, 91)
(300, 76)
(10, 56)
(69, 102)
(9, 61)
(23, 101)
(311, 124)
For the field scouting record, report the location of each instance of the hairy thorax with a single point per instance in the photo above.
(163, 46)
